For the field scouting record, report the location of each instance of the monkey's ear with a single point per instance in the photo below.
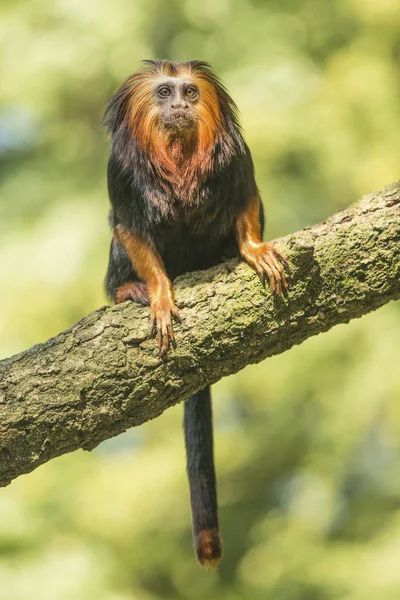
(162, 66)
(200, 65)
(152, 66)
(149, 61)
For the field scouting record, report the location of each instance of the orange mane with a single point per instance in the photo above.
(182, 162)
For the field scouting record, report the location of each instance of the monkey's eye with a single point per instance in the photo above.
(191, 92)
(164, 91)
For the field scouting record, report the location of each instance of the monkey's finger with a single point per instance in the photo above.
(277, 271)
(176, 315)
(279, 262)
(159, 340)
(281, 258)
(164, 340)
(275, 285)
(171, 336)
(260, 272)
(278, 266)
(153, 326)
(270, 274)
(283, 279)
(163, 349)
(274, 279)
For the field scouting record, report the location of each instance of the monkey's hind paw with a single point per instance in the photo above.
(133, 290)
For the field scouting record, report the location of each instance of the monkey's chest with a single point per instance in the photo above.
(196, 230)
(194, 243)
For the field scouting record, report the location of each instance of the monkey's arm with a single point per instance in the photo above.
(263, 257)
(149, 267)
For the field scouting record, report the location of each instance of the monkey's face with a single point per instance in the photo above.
(177, 98)
(165, 101)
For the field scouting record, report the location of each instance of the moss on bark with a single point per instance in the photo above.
(104, 375)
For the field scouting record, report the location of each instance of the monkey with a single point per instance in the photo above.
(182, 190)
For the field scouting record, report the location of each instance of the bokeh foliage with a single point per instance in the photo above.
(307, 443)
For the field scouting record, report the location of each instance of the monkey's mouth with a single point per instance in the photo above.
(179, 120)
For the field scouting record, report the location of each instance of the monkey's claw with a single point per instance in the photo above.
(161, 325)
(269, 263)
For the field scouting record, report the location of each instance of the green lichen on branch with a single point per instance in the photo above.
(104, 375)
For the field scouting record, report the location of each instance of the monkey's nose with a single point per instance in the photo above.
(179, 105)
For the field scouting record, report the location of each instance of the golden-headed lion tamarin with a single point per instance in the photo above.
(182, 190)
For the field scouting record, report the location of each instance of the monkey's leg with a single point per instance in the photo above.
(133, 290)
(121, 280)
(149, 267)
(201, 473)
(263, 257)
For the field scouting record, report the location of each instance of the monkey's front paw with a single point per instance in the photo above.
(268, 262)
(162, 313)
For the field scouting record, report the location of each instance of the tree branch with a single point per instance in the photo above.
(104, 375)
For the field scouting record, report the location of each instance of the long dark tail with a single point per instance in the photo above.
(200, 468)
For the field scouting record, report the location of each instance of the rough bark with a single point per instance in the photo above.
(104, 375)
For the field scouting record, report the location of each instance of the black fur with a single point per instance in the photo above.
(190, 232)
(200, 465)
(149, 207)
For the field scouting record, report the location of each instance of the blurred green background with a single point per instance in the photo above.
(307, 443)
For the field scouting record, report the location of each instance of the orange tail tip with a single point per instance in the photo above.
(208, 548)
